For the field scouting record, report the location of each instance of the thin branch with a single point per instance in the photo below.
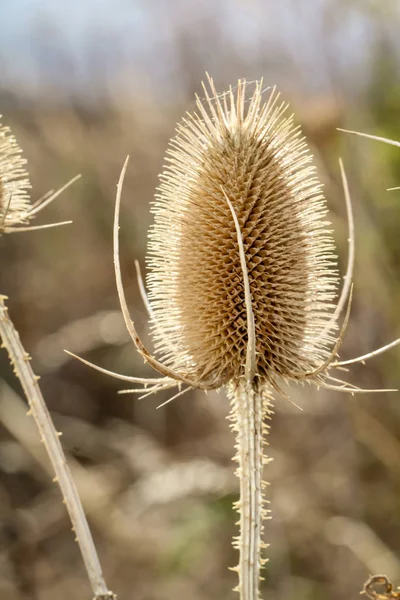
(20, 361)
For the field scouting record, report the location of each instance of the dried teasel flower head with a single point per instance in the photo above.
(14, 182)
(242, 279)
(16, 209)
(240, 149)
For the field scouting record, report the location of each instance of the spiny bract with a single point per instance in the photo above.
(251, 153)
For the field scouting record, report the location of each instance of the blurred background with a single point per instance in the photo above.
(82, 84)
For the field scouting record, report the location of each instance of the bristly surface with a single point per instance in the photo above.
(14, 182)
(243, 147)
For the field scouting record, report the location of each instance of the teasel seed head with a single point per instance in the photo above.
(247, 150)
(242, 279)
(14, 182)
(16, 209)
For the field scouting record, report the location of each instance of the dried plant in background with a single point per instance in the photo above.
(387, 592)
(15, 209)
(242, 279)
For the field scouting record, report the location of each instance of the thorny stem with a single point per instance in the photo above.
(50, 437)
(250, 406)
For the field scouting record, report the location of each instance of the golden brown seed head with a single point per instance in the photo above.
(14, 182)
(247, 149)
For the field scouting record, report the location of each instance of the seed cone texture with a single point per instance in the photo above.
(243, 146)
(14, 182)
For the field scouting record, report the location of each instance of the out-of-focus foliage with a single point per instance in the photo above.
(158, 485)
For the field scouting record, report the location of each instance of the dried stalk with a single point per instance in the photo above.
(249, 409)
(50, 437)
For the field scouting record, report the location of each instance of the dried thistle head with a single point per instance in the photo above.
(16, 210)
(240, 148)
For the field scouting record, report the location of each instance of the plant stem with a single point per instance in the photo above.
(50, 437)
(250, 406)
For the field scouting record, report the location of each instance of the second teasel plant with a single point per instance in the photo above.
(16, 212)
(16, 209)
(14, 182)
(242, 279)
